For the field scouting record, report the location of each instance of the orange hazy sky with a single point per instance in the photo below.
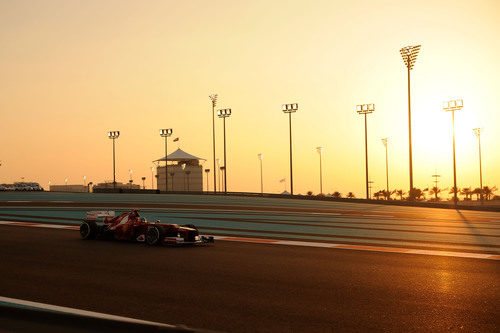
(72, 70)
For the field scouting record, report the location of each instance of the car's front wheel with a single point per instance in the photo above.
(154, 235)
(88, 230)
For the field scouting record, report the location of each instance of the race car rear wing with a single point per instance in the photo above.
(95, 214)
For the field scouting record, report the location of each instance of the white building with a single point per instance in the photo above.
(184, 172)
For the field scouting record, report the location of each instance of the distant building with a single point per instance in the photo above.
(184, 172)
(68, 188)
(21, 186)
(117, 185)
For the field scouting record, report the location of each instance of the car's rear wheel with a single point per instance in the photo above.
(154, 235)
(88, 230)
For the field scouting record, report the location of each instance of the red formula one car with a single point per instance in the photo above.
(130, 226)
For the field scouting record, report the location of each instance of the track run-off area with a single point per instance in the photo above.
(339, 265)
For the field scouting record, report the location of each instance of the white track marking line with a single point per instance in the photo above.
(56, 308)
(373, 215)
(243, 239)
(360, 247)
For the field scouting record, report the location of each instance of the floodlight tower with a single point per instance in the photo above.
(152, 177)
(218, 171)
(453, 106)
(224, 113)
(477, 132)
(290, 108)
(114, 135)
(165, 133)
(366, 109)
(260, 156)
(213, 98)
(409, 54)
(384, 142)
(319, 150)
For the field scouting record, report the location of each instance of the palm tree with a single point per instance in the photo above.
(351, 195)
(387, 194)
(417, 193)
(435, 190)
(467, 192)
(337, 194)
(452, 191)
(488, 191)
(378, 194)
(400, 193)
(477, 192)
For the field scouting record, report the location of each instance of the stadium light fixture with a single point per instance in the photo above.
(165, 133)
(388, 194)
(260, 156)
(224, 113)
(319, 150)
(477, 133)
(409, 55)
(366, 109)
(213, 99)
(113, 135)
(290, 108)
(452, 106)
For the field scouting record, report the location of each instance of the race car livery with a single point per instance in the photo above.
(131, 227)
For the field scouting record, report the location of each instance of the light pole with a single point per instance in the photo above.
(143, 183)
(66, 182)
(130, 180)
(218, 171)
(453, 106)
(172, 174)
(84, 180)
(213, 98)
(223, 180)
(319, 150)
(224, 113)
(207, 171)
(183, 166)
(366, 109)
(260, 156)
(409, 54)
(477, 132)
(152, 177)
(114, 135)
(290, 108)
(165, 133)
(384, 142)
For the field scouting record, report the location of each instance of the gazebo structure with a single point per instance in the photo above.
(185, 172)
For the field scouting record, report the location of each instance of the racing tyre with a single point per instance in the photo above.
(88, 230)
(154, 235)
(192, 226)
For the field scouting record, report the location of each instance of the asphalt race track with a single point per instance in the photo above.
(251, 287)
(243, 287)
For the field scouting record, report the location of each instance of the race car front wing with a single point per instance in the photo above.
(181, 240)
